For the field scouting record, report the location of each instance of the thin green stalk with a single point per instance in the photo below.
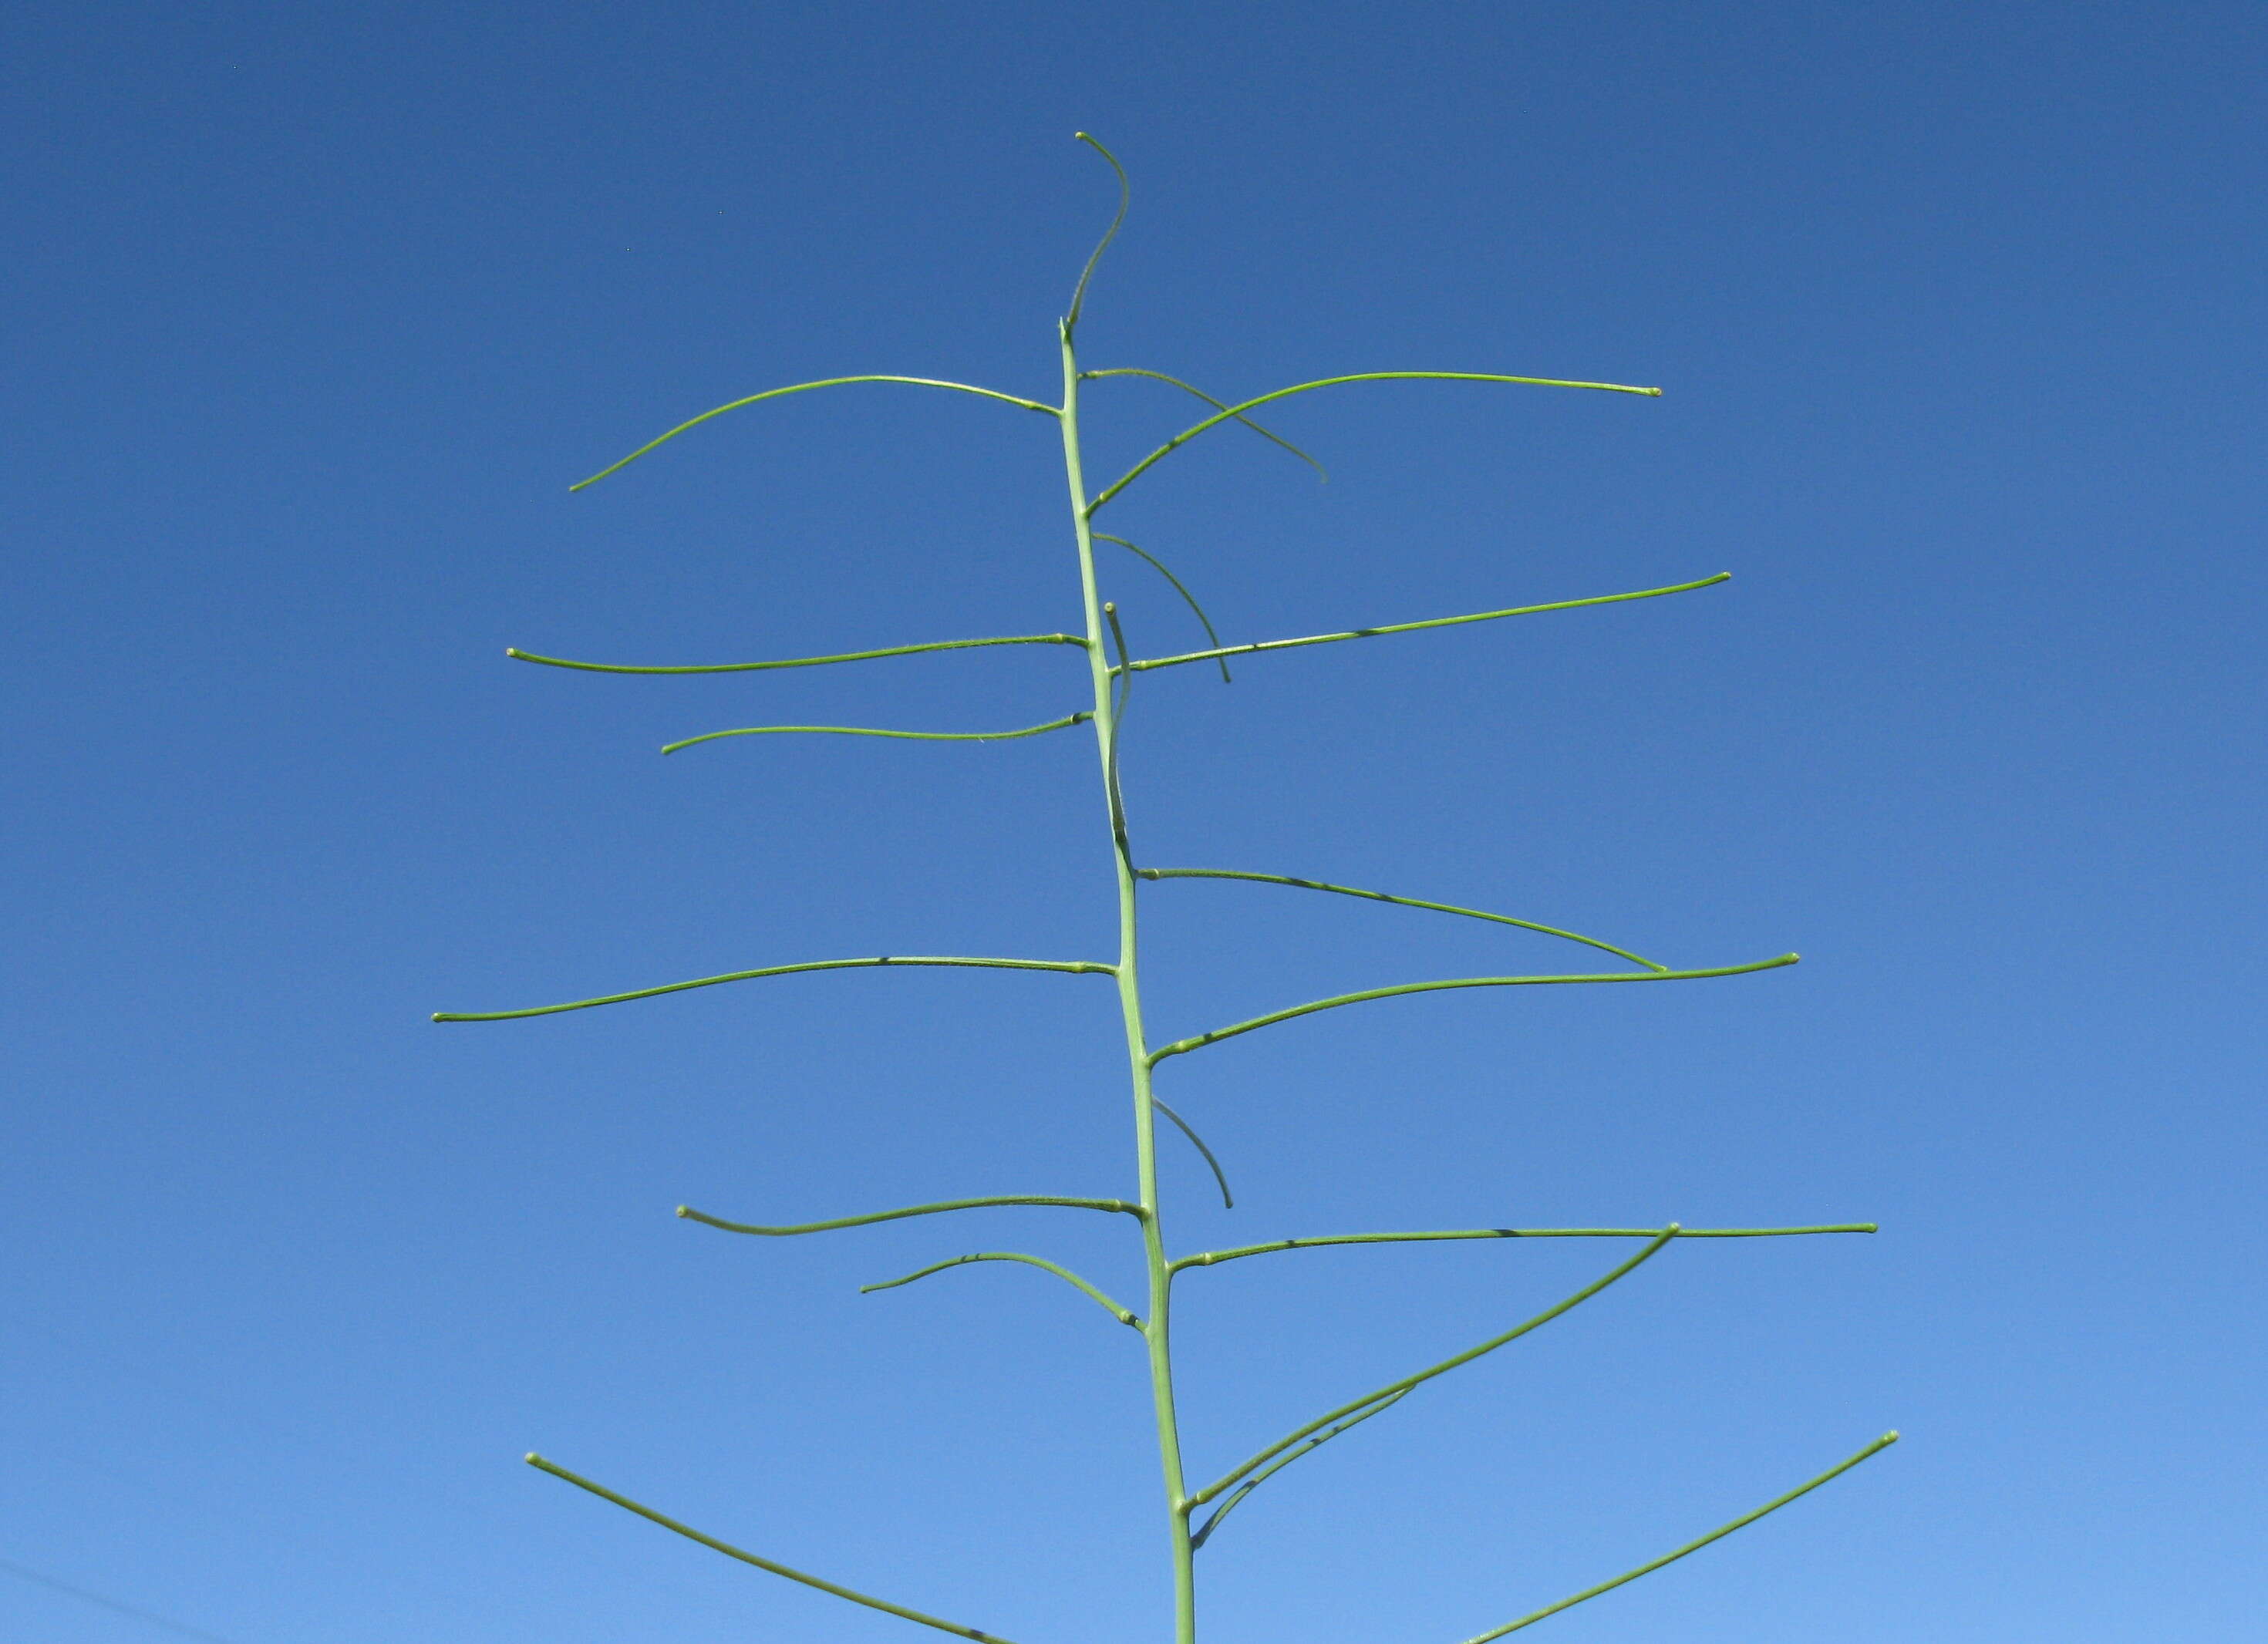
(1158, 1332)
(1392, 1389)
(1118, 1205)
(1214, 1258)
(518, 655)
(804, 387)
(1180, 1045)
(1435, 622)
(1235, 412)
(732, 1551)
(1400, 902)
(1125, 1315)
(1077, 967)
(1695, 1545)
(860, 730)
(1218, 405)
(1189, 598)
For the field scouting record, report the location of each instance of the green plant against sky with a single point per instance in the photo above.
(1193, 1513)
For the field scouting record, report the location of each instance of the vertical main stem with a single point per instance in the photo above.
(1157, 1330)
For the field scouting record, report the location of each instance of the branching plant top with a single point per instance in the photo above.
(1194, 1509)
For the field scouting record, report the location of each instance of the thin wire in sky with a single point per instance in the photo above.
(182, 1629)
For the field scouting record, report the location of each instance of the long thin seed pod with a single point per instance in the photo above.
(1118, 1205)
(1722, 1530)
(518, 655)
(1436, 622)
(1235, 1475)
(1125, 1315)
(1180, 1045)
(1234, 412)
(804, 387)
(1402, 902)
(1218, 405)
(1077, 967)
(860, 730)
(1212, 1521)
(1188, 597)
(1125, 199)
(732, 1551)
(1227, 1198)
(1123, 687)
(1214, 1258)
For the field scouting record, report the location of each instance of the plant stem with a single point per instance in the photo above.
(1157, 1331)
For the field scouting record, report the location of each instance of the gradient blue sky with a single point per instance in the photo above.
(315, 312)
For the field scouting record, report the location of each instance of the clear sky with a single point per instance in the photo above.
(315, 312)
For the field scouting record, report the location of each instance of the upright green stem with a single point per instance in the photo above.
(1157, 1331)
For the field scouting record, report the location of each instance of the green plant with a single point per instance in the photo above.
(1112, 671)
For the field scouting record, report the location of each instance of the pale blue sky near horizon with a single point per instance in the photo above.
(317, 311)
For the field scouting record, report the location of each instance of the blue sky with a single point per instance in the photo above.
(318, 310)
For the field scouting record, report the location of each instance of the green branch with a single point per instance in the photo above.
(860, 730)
(518, 655)
(1227, 1200)
(1180, 1045)
(1722, 1530)
(1212, 1522)
(1436, 622)
(803, 387)
(1214, 1258)
(1189, 598)
(1402, 902)
(1218, 405)
(1391, 1389)
(1234, 412)
(1120, 1205)
(1077, 967)
(731, 1551)
(1123, 1315)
